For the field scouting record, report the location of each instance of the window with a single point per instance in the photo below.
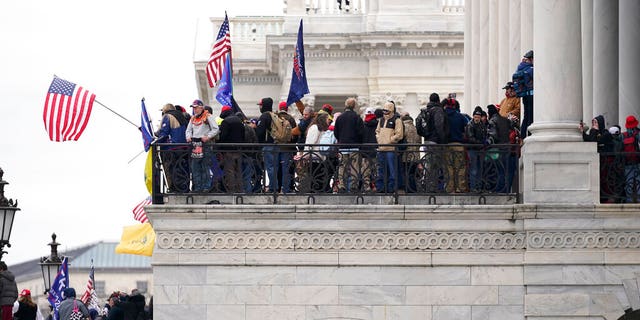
(142, 286)
(100, 288)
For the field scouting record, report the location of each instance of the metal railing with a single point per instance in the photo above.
(298, 169)
(620, 177)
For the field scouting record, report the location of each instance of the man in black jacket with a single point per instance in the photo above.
(231, 131)
(348, 131)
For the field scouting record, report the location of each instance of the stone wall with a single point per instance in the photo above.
(395, 261)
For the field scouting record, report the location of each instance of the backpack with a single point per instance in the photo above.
(426, 127)
(522, 81)
(280, 129)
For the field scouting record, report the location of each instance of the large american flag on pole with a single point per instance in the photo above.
(90, 298)
(67, 109)
(218, 57)
(138, 212)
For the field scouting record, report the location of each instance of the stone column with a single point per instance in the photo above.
(504, 69)
(475, 47)
(468, 57)
(558, 166)
(515, 52)
(494, 19)
(605, 60)
(483, 49)
(587, 59)
(526, 26)
(629, 66)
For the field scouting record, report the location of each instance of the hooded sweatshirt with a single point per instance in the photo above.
(390, 130)
(8, 288)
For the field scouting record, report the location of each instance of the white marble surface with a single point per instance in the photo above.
(586, 20)
(629, 24)
(605, 60)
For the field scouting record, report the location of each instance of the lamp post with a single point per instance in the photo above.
(8, 210)
(50, 264)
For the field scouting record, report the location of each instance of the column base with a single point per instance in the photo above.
(560, 172)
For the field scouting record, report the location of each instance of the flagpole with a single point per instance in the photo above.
(119, 115)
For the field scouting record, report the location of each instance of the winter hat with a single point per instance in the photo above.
(25, 293)
(631, 123)
(283, 106)
(369, 110)
(434, 97)
(69, 293)
(477, 111)
(614, 130)
(529, 54)
(508, 85)
(225, 108)
(266, 102)
(491, 110)
(328, 108)
(197, 102)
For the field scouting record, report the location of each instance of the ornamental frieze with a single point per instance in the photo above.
(321, 241)
(583, 240)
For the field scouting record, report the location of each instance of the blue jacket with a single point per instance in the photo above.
(523, 79)
(457, 123)
(173, 128)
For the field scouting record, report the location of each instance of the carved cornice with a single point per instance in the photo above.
(341, 241)
(583, 240)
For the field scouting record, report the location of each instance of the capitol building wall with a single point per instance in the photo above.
(554, 252)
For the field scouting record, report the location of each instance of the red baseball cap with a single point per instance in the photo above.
(328, 108)
(283, 105)
(25, 292)
(225, 108)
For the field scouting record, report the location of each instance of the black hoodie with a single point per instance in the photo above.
(600, 135)
(264, 124)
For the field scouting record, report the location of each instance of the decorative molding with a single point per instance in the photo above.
(583, 240)
(256, 79)
(347, 241)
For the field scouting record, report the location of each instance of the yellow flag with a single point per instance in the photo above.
(148, 172)
(137, 239)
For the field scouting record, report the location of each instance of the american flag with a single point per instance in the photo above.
(90, 298)
(66, 110)
(218, 57)
(138, 212)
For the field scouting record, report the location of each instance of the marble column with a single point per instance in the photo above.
(587, 59)
(605, 60)
(475, 45)
(628, 59)
(483, 49)
(504, 68)
(468, 57)
(515, 52)
(494, 58)
(558, 167)
(526, 27)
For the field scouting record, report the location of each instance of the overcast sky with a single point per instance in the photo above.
(121, 51)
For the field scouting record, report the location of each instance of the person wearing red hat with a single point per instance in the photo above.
(631, 146)
(25, 308)
(232, 132)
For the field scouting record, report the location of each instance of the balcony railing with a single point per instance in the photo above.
(620, 177)
(362, 170)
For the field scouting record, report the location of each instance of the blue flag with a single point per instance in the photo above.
(299, 86)
(225, 86)
(145, 127)
(59, 284)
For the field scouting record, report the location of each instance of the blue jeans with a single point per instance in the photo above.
(387, 171)
(274, 161)
(475, 170)
(632, 182)
(200, 174)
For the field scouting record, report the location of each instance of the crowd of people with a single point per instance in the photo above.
(119, 306)
(377, 150)
(619, 158)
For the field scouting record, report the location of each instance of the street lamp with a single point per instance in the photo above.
(50, 264)
(7, 212)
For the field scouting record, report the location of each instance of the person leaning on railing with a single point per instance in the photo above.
(201, 132)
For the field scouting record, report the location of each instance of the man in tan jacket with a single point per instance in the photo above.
(511, 103)
(390, 131)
